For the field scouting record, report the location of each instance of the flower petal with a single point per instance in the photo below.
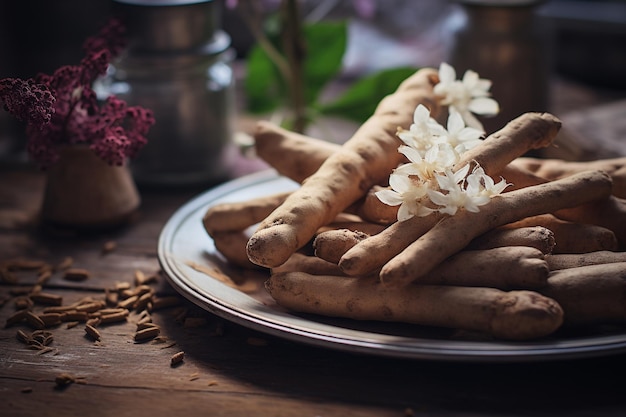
(389, 197)
(484, 105)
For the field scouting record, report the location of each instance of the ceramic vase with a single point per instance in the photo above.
(84, 192)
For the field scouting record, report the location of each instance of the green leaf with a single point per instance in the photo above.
(359, 101)
(326, 44)
(264, 87)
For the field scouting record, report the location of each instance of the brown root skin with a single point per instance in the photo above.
(552, 169)
(590, 294)
(332, 244)
(528, 131)
(372, 253)
(575, 260)
(363, 161)
(505, 268)
(573, 237)
(232, 245)
(313, 265)
(515, 315)
(609, 213)
(538, 237)
(291, 154)
(237, 216)
(454, 233)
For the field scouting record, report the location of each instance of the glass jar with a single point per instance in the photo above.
(178, 64)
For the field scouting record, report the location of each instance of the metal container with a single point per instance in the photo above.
(504, 41)
(177, 64)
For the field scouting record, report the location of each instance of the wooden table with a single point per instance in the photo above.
(230, 370)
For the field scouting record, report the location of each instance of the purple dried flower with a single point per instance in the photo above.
(27, 100)
(62, 108)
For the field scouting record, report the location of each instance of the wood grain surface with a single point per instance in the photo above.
(229, 370)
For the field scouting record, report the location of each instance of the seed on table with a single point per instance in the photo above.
(109, 246)
(76, 274)
(93, 332)
(44, 276)
(80, 316)
(23, 337)
(128, 303)
(63, 380)
(164, 302)
(94, 321)
(142, 326)
(143, 301)
(66, 263)
(50, 319)
(23, 302)
(147, 334)
(16, 317)
(34, 321)
(114, 317)
(47, 298)
(111, 298)
(24, 264)
(177, 358)
(91, 307)
(7, 276)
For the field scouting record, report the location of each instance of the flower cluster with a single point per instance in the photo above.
(427, 183)
(62, 108)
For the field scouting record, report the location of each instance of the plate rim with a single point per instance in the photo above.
(433, 349)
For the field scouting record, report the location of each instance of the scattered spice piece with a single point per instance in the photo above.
(212, 383)
(34, 321)
(7, 276)
(26, 390)
(66, 263)
(93, 332)
(63, 380)
(23, 302)
(46, 298)
(147, 334)
(177, 358)
(51, 319)
(17, 317)
(109, 246)
(159, 303)
(44, 275)
(194, 376)
(111, 297)
(76, 274)
(23, 264)
(91, 307)
(114, 317)
(128, 303)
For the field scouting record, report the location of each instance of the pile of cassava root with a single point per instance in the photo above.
(547, 253)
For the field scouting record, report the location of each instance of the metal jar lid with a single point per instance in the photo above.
(155, 26)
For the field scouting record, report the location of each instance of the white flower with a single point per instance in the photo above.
(467, 96)
(406, 192)
(454, 195)
(461, 137)
(422, 131)
(483, 184)
(436, 159)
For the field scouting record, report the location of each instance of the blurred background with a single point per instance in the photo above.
(563, 56)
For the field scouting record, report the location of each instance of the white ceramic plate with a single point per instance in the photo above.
(196, 269)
